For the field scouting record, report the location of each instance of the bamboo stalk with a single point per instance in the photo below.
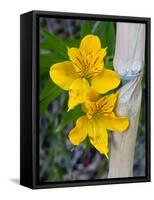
(128, 63)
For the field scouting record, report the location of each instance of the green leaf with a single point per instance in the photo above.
(77, 112)
(111, 38)
(86, 144)
(70, 116)
(46, 60)
(109, 62)
(101, 30)
(72, 43)
(47, 94)
(106, 32)
(53, 43)
(86, 28)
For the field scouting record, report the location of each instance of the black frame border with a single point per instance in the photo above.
(34, 153)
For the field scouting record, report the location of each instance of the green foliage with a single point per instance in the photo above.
(53, 43)
(47, 94)
(109, 62)
(72, 43)
(72, 115)
(86, 144)
(86, 28)
(56, 52)
(106, 32)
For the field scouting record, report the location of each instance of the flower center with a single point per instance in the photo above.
(87, 65)
(101, 107)
(93, 110)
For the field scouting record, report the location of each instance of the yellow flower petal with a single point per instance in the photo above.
(77, 92)
(98, 135)
(107, 103)
(100, 146)
(98, 57)
(90, 44)
(90, 108)
(115, 123)
(76, 58)
(97, 63)
(92, 94)
(63, 74)
(79, 133)
(107, 80)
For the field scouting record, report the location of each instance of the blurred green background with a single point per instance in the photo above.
(58, 159)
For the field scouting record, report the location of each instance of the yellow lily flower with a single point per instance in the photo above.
(99, 118)
(85, 69)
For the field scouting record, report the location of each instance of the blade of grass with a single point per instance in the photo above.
(53, 43)
(86, 28)
(48, 93)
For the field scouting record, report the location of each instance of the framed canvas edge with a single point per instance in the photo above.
(35, 101)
